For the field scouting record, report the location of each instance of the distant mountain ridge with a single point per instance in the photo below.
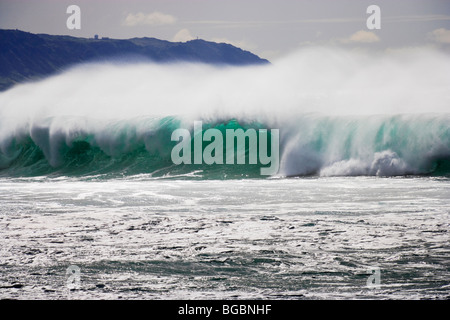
(27, 56)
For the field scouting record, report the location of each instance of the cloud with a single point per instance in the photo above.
(182, 36)
(440, 35)
(362, 36)
(155, 18)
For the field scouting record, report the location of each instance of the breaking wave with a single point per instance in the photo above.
(309, 145)
(339, 113)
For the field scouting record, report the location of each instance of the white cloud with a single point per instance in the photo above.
(362, 36)
(182, 36)
(155, 18)
(440, 35)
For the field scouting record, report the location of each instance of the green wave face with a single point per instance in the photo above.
(118, 149)
(309, 145)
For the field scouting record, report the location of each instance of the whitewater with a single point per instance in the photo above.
(87, 180)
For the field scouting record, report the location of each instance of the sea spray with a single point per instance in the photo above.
(338, 112)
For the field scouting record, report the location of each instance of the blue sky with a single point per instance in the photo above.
(268, 28)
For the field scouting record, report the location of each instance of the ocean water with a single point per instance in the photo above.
(92, 205)
(298, 238)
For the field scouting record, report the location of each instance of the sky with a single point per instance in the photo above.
(271, 29)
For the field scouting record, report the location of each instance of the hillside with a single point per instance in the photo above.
(27, 56)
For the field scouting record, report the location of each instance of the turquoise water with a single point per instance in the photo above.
(309, 145)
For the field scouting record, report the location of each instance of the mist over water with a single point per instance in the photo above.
(324, 80)
(323, 100)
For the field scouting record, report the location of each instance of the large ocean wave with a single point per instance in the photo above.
(338, 112)
(309, 145)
